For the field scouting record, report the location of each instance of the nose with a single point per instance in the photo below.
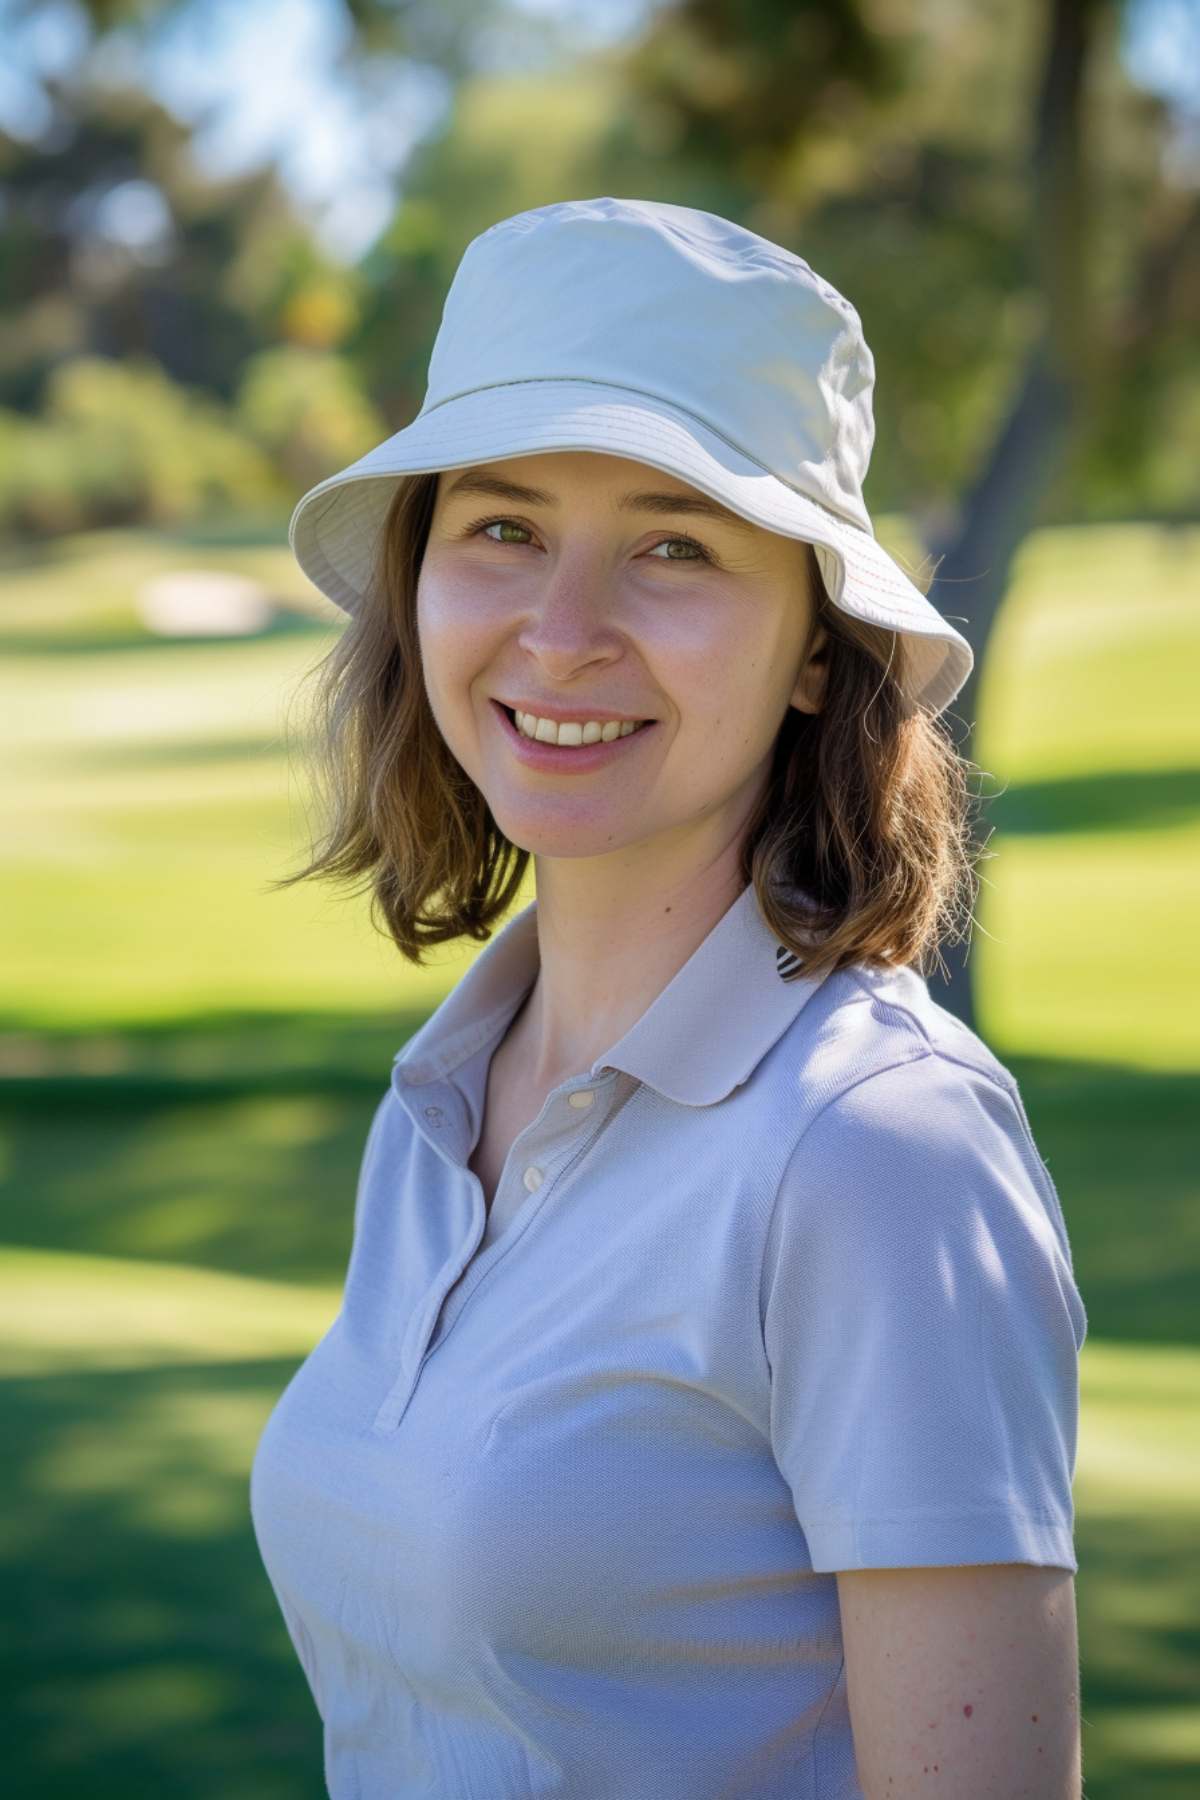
(569, 611)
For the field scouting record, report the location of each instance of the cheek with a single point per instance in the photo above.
(457, 608)
(723, 688)
(736, 724)
(435, 609)
(447, 631)
(440, 651)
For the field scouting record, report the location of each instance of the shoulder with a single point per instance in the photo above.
(389, 1134)
(906, 1116)
(387, 1121)
(863, 1021)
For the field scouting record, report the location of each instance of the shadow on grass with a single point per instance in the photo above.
(208, 1055)
(153, 1658)
(1108, 800)
(1138, 1600)
(233, 1145)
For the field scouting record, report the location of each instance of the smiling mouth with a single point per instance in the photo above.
(538, 752)
(510, 713)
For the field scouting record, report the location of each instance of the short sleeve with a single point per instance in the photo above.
(922, 1326)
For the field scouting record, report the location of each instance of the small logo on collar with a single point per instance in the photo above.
(786, 962)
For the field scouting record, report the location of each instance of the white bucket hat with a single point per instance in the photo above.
(671, 336)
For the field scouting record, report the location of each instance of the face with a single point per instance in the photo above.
(593, 585)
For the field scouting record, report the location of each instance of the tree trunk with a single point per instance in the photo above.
(973, 575)
(1000, 509)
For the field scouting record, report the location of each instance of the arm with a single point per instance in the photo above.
(963, 1682)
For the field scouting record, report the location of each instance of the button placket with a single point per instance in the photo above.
(442, 1316)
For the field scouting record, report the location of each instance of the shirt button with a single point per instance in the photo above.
(434, 1114)
(533, 1178)
(581, 1098)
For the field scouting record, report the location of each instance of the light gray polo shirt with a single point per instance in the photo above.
(779, 1286)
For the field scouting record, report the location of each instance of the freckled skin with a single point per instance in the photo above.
(1022, 1672)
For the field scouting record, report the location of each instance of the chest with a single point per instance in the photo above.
(594, 1384)
(581, 1386)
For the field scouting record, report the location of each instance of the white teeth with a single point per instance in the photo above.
(547, 731)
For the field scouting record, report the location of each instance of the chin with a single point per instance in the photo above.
(563, 840)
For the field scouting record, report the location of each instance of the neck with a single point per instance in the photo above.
(607, 950)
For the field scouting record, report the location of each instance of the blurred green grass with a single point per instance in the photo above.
(188, 1065)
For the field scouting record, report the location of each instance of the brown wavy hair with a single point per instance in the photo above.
(859, 849)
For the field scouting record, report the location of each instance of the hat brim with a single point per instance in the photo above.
(334, 528)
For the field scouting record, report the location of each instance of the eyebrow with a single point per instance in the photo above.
(649, 501)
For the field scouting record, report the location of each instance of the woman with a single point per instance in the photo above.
(700, 1417)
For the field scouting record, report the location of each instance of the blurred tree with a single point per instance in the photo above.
(308, 410)
(112, 242)
(118, 443)
(1037, 177)
(440, 33)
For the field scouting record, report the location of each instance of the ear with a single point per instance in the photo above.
(808, 695)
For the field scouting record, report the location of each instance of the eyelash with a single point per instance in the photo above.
(675, 538)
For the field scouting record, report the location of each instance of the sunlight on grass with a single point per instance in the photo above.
(1147, 1735)
(1139, 1451)
(157, 802)
(64, 1312)
(171, 930)
(1091, 664)
(149, 1466)
(1084, 941)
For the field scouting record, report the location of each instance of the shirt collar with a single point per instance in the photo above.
(702, 1036)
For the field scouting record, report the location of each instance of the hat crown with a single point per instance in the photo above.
(675, 303)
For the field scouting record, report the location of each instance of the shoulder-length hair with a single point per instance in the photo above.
(859, 849)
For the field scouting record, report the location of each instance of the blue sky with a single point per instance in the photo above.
(341, 153)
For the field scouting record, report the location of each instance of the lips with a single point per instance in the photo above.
(565, 758)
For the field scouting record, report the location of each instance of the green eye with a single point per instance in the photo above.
(488, 523)
(700, 556)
